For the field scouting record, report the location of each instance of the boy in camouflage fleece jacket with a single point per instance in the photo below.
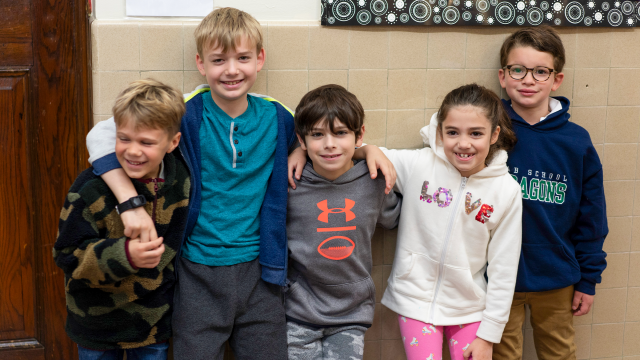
(120, 291)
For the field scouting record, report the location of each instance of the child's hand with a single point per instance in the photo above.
(138, 224)
(581, 303)
(376, 159)
(297, 160)
(480, 349)
(145, 255)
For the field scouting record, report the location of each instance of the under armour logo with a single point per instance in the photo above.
(348, 205)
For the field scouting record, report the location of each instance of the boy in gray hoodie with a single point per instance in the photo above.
(331, 217)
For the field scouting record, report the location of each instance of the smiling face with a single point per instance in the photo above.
(331, 152)
(528, 94)
(230, 75)
(140, 151)
(466, 138)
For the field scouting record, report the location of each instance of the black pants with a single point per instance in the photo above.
(213, 304)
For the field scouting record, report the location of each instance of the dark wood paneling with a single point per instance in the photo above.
(17, 53)
(61, 119)
(15, 33)
(16, 274)
(23, 354)
(45, 113)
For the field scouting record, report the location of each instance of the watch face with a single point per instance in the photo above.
(136, 202)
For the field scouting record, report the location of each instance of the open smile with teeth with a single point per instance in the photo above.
(330, 157)
(232, 82)
(465, 156)
(136, 163)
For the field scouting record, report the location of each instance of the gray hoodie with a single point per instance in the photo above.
(329, 226)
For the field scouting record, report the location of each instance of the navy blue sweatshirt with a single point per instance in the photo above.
(564, 214)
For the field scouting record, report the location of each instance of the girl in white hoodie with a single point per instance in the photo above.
(461, 218)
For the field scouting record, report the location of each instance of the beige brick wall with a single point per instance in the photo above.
(401, 75)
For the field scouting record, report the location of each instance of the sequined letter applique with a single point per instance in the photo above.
(485, 213)
(468, 206)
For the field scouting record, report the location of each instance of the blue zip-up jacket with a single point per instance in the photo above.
(564, 221)
(273, 214)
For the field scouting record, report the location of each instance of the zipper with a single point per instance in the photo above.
(454, 212)
(155, 199)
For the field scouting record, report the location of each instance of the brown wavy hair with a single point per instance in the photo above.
(542, 38)
(328, 103)
(492, 108)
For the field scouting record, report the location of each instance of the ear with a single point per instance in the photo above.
(174, 142)
(557, 81)
(360, 137)
(200, 65)
(301, 141)
(262, 57)
(501, 77)
(495, 135)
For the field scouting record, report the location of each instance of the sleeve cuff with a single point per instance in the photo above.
(126, 249)
(586, 287)
(490, 330)
(106, 164)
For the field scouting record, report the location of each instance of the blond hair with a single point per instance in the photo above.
(150, 104)
(226, 27)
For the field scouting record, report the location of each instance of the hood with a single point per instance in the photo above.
(359, 169)
(496, 166)
(552, 123)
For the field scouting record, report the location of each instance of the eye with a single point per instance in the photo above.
(216, 61)
(452, 133)
(542, 71)
(146, 143)
(476, 134)
(245, 58)
(342, 132)
(316, 134)
(123, 139)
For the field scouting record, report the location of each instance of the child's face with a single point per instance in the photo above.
(466, 137)
(140, 151)
(230, 75)
(527, 92)
(331, 153)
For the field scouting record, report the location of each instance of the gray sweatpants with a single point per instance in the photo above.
(213, 304)
(330, 343)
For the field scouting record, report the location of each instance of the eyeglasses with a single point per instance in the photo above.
(539, 73)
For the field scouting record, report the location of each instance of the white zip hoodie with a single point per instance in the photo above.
(448, 232)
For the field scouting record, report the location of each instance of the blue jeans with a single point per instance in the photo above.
(149, 352)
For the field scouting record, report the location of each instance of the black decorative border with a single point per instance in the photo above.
(588, 13)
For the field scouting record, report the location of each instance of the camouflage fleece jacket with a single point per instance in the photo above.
(110, 304)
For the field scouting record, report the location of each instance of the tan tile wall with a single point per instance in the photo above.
(400, 76)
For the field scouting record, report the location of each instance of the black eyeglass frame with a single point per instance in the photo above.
(551, 71)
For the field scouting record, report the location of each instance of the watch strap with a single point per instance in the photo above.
(132, 203)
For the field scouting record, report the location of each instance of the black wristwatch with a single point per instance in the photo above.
(132, 203)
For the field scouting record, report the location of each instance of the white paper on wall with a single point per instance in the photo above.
(198, 8)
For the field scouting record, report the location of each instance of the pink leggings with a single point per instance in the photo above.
(424, 341)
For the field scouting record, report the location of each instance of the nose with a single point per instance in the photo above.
(329, 142)
(232, 68)
(528, 78)
(134, 150)
(464, 143)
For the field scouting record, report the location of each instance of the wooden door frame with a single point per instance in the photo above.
(57, 120)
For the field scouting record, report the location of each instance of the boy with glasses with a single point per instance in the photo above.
(564, 216)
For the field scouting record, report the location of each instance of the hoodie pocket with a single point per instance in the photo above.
(545, 266)
(459, 291)
(418, 280)
(328, 301)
